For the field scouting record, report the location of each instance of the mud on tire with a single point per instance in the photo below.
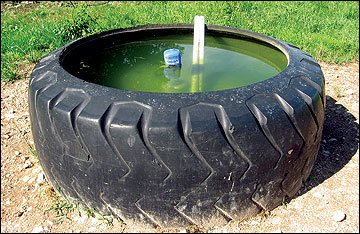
(177, 159)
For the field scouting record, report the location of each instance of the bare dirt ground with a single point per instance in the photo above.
(327, 202)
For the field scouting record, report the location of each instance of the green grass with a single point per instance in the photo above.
(106, 219)
(62, 209)
(337, 90)
(329, 31)
(60, 206)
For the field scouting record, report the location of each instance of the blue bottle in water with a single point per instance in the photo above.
(172, 57)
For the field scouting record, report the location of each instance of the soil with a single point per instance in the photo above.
(327, 202)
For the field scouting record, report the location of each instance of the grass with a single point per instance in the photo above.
(284, 202)
(60, 206)
(312, 178)
(107, 220)
(63, 208)
(329, 31)
(337, 90)
(210, 229)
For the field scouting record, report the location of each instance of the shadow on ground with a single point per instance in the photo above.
(339, 144)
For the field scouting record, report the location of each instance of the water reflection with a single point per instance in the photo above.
(172, 72)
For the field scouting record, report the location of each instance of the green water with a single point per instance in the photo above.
(140, 66)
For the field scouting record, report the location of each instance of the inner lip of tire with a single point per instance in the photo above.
(132, 34)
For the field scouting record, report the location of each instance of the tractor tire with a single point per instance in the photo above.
(172, 160)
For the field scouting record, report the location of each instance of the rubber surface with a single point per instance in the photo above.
(172, 160)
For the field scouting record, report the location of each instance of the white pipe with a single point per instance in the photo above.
(196, 41)
(201, 39)
(198, 53)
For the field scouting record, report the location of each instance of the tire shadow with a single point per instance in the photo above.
(339, 143)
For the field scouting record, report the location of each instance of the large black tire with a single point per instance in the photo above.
(177, 159)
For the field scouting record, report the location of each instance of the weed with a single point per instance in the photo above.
(312, 178)
(264, 213)
(337, 90)
(106, 219)
(62, 208)
(119, 220)
(79, 24)
(34, 56)
(89, 212)
(59, 205)
(12, 73)
(284, 202)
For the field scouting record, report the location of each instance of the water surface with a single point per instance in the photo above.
(139, 66)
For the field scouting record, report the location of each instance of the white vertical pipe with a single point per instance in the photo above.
(196, 41)
(199, 40)
(198, 53)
